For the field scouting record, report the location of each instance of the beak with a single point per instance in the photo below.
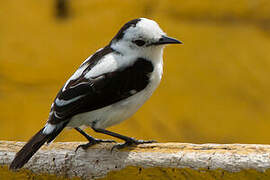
(166, 40)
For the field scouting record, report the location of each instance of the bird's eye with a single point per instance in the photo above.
(139, 42)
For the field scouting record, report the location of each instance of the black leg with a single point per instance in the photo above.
(128, 140)
(92, 141)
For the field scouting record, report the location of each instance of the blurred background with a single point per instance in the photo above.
(215, 87)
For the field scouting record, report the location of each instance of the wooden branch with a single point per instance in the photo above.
(98, 161)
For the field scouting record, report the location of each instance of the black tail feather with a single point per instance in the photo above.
(28, 150)
(32, 146)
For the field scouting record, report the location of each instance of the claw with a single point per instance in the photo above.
(121, 146)
(105, 141)
(84, 146)
(130, 143)
(144, 141)
(96, 141)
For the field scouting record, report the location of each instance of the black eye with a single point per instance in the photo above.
(139, 42)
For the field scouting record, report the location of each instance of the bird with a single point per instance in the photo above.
(107, 88)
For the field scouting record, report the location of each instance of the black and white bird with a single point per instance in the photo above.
(107, 88)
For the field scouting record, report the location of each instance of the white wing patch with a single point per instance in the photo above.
(48, 129)
(107, 64)
(77, 74)
(60, 102)
(90, 57)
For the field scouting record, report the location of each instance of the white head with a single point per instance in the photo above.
(141, 37)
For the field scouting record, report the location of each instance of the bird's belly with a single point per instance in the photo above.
(112, 114)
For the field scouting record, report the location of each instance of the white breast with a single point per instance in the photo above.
(117, 112)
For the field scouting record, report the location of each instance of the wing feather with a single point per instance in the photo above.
(88, 94)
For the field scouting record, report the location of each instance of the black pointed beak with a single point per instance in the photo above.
(167, 40)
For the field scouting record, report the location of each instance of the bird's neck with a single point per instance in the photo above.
(153, 54)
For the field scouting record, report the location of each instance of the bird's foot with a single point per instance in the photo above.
(131, 142)
(93, 142)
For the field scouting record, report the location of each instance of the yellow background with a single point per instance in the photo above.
(215, 87)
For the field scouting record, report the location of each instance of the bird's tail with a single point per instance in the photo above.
(33, 145)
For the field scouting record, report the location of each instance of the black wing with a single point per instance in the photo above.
(84, 95)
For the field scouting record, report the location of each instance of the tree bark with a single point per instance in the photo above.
(98, 161)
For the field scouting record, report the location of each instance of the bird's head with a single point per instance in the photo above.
(141, 37)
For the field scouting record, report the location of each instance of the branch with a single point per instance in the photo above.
(98, 161)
